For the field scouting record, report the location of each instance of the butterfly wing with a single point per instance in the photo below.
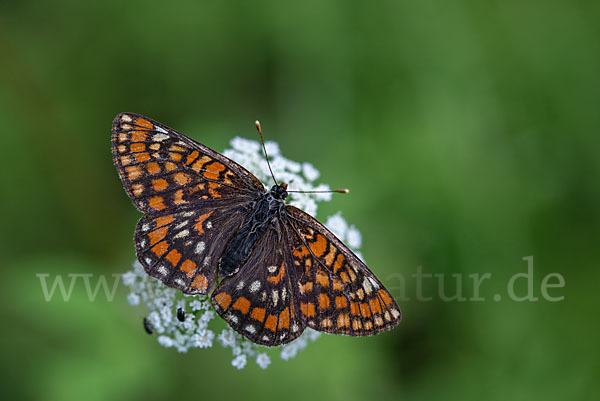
(193, 198)
(336, 291)
(182, 247)
(258, 301)
(162, 169)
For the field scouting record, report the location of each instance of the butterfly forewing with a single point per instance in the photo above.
(162, 169)
(258, 301)
(337, 293)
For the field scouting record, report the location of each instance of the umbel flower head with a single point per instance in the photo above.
(191, 329)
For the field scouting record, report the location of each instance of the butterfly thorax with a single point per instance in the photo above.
(262, 214)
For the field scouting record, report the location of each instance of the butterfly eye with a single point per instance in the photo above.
(147, 326)
(180, 315)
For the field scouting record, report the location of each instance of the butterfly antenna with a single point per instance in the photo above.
(339, 191)
(262, 141)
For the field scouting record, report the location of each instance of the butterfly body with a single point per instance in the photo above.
(262, 214)
(211, 227)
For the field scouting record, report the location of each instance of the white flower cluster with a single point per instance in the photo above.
(193, 331)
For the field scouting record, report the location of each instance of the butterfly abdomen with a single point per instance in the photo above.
(258, 220)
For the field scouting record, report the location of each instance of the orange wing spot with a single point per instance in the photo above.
(125, 160)
(304, 288)
(163, 220)
(200, 221)
(156, 202)
(338, 262)
(341, 302)
(258, 314)
(138, 136)
(211, 189)
(200, 282)
(322, 279)
(242, 304)
(284, 319)
(122, 148)
(170, 166)
(302, 252)
(375, 305)
(271, 323)
(326, 323)
(354, 309)
(178, 197)
(356, 325)
(123, 137)
(223, 299)
(368, 325)
(153, 168)
(337, 285)
(142, 157)
(154, 146)
(345, 277)
(308, 309)
(378, 320)
(173, 256)
(213, 169)
(364, 310)
(319, 246)
(137, 147)
(343, 320)
(160, 248)
(197, 166)
(360, 293)
(191, 157)
(323, 301)
(133, 172)
(175, 148)
(157, 235)
(181, 178)
(188, 267)
(137, 189)
(276, 279)
(144, 123)
(385, 297)
(330, 256)
(175, 156)
(160, 184)
(351, 273)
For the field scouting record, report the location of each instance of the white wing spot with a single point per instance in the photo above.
(200, 248)
(240, 285)
(275, 296)
(250, 329)
(367, 286)
(126, 118)
(160, 137)
(283, 293)
(395, 313)
(263, 296)
(148, 261)
(295, 327)
(272, 269)
(145, 227)
(181, 225)
(208, 225)
(374, 283)
(206, 261)
(159, 129)
(231, 317)
(143, 243)
(188, 214)
(255, 286)
(265, 338)
(182, 234)
(162, 270)
(179, 281)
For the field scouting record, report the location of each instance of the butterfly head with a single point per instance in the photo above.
(279, 191)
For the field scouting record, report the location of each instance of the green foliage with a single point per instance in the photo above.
(466, 131)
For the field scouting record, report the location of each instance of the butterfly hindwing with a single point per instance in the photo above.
(162, 169)
(337, 293)
(182, 247)
(258, 301)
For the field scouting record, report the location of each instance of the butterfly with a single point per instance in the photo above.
(211, 227)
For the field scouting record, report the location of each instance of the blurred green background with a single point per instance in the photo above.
(466, 130)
